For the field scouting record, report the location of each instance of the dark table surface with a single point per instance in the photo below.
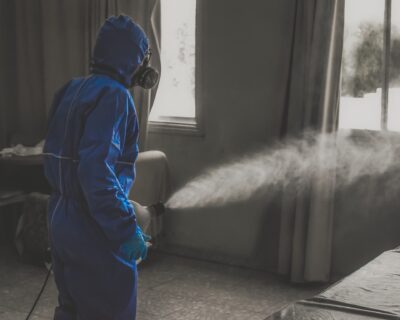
(23, 173)
(21, 160)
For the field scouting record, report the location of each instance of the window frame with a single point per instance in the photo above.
(387, 28)
(183, 125)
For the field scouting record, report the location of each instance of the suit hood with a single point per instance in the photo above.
(120, 47)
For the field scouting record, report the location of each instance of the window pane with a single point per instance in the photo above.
(394, 74)
(360, 104)
(176, 92)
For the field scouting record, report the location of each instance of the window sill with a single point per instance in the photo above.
(176, 125)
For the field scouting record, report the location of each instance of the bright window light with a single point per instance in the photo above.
(176, 92)
(367, 61)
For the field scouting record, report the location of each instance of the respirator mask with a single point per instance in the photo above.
(145, 76)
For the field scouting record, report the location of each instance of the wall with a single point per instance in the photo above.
(245, 49)
(367, 222)
(367, 212)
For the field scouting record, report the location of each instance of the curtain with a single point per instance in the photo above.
(54, 40)
(7, 67)
(148, 14)
(313, 83)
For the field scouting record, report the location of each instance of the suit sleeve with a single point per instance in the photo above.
(100, 147)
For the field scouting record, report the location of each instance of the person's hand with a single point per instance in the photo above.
(136, 247)
(143, 216)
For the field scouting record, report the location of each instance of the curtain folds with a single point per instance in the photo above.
(54, 40)
(7, 67)
(313, 84)
(148, 14)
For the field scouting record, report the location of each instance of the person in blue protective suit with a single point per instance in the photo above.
(90, 153)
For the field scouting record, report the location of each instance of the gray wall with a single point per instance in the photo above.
(246, 55)
(367, 212)
(366, 222)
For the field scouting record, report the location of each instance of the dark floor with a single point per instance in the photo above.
(170, 288)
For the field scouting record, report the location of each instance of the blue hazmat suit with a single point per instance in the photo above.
(90, 153)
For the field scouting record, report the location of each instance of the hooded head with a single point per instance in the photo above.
(120, 47)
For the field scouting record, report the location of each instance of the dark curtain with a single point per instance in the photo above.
(313, 82)
(7, 67)
(50, 49)
(53, 44)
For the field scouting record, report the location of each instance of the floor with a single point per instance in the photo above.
(170, 288)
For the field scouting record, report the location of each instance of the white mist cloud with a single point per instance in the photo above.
(292, 163)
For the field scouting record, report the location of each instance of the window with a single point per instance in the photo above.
(371, 66)
(175, 99)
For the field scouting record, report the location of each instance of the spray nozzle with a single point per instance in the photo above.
(159, 208)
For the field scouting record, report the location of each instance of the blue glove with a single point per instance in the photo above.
(135, 248)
